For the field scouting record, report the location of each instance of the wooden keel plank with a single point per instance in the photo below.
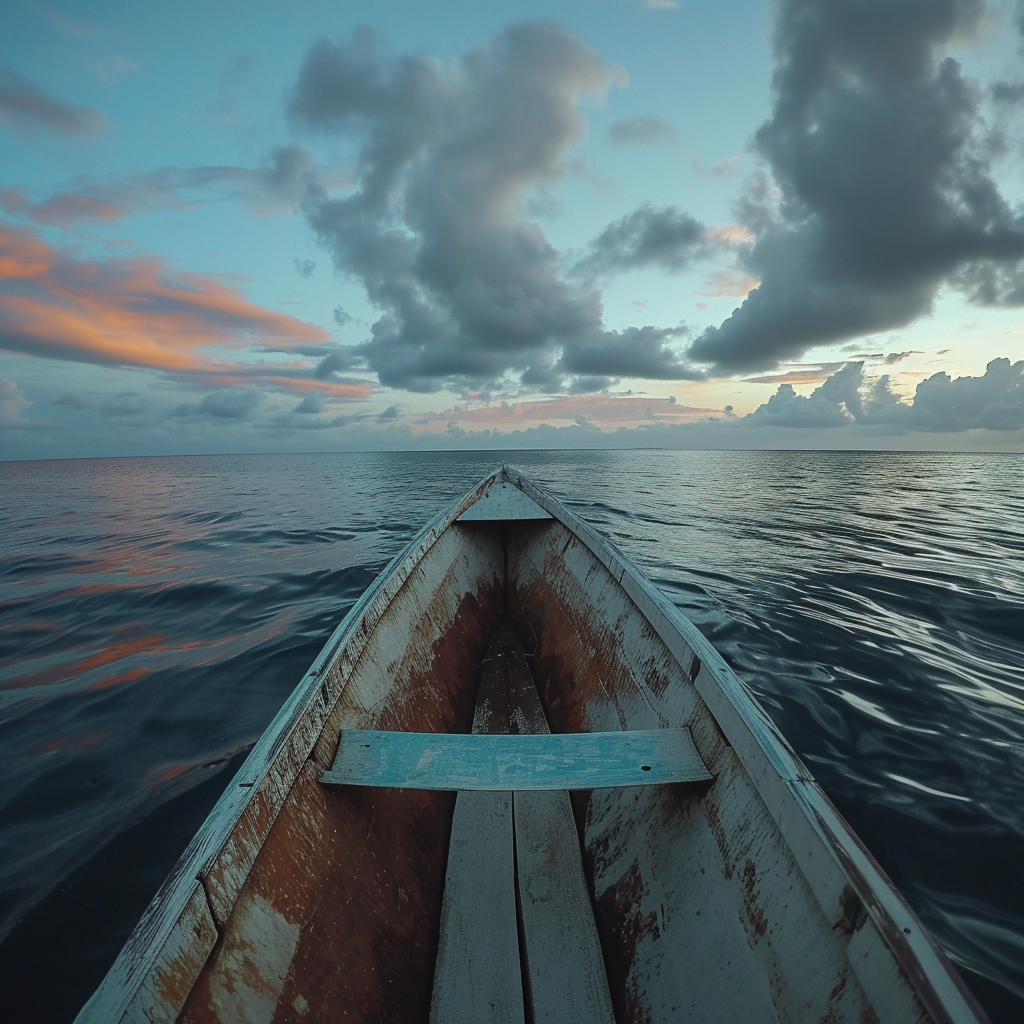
(566, 979)
(477, 976)
(564, 963)
(460, 761)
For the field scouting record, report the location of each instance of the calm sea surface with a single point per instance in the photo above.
(155, 614)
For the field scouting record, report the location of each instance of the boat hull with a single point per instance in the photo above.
(746, 899)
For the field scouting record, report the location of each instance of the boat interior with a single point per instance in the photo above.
(670, 901)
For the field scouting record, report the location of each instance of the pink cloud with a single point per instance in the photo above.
(138, 312)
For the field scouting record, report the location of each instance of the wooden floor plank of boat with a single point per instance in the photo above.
(478, 974)
(565, 975)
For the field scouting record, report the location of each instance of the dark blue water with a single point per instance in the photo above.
(155, 613)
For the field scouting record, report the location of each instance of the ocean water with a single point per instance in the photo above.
(155, 614)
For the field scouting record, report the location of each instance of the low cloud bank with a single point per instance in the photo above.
(941, 404)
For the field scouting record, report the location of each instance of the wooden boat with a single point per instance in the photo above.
(631, 838)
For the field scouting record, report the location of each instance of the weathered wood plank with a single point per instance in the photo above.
(477, 976)
(566, 979)
(460, 761)
(503, 502)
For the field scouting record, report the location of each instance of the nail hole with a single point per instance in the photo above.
(907, 930)
(645, 767)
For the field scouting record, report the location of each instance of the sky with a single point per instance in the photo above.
(580, 223)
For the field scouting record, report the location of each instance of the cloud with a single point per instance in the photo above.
(883, 171)
(226, 404)
(730, 283)
(305, 267)
(634, 352)
(664, 237)
(140, 313)
(994, 401)
(27, 109)
(311, 404)
(127, 403)
(640, 131)
(470, 291)
(805, 375)
(80, 27)
(112, 67)
(12, 404)
(724, 168)
(71, 401)
(230, 404)
(61, 210)
(834, 404)
(602, 412)
(280, 183)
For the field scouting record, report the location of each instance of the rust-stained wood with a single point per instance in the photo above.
(477, 977)
(608, 650)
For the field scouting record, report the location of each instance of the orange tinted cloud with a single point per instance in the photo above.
(726, 283)
(136, 312)
(807, 375)
(61, 210)
(732, 233)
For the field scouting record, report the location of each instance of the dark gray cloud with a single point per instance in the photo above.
(27, 109)
(634, 352)
(884, 169)
(227, 404)
(71, 401)
(312, 404)
(994, 401)
(232, 403)
(640, 131)
(126, 403)
(664, 237)
(338, 360)
(470, 290)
